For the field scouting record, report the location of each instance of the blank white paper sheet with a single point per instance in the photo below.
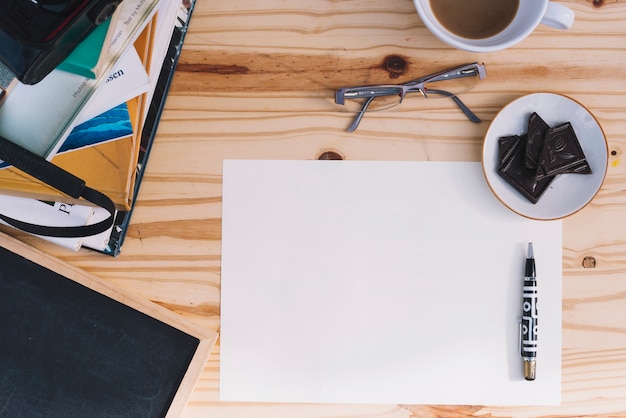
(380, 282)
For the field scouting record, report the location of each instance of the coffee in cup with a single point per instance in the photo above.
(489, 25)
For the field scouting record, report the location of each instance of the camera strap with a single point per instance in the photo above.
(62, 180)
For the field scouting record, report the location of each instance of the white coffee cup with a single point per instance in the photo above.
(529, 14)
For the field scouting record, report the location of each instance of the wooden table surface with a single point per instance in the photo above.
(256, 80)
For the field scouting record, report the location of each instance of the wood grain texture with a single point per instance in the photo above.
(256, 80)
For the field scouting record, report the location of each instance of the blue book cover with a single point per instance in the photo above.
(110, 125)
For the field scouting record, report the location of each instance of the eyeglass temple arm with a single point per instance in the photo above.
(468, 112)
(359, 115)
(457, 72)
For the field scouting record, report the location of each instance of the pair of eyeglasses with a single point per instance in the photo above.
(448, 83)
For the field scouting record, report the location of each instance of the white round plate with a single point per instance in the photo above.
(568, 193)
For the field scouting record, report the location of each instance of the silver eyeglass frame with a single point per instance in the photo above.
(417, 85)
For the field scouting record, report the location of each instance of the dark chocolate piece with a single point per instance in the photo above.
(582, 168)
(506, 146)
(514, 171)
(561, 153)
(537, 129)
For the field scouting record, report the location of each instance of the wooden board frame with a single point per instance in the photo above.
(207, 338)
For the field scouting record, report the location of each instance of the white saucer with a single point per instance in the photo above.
(568, 193)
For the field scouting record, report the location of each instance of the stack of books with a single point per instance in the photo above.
(95, 116)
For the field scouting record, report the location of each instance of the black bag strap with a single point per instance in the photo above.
(61, 180)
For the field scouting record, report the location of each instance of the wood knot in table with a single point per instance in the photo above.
(330, 155)
(396, 65)
(589, 262)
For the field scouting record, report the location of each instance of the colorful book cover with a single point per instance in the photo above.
(84, 58)
(126, 80)
(113, 124)
(108, 126)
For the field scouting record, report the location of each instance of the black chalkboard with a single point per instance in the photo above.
(67, 350)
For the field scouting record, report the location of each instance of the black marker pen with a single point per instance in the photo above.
(529, 323)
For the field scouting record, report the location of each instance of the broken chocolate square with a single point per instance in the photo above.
(514, 171)
(561, 153)
(507, 146)
(537, 129)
